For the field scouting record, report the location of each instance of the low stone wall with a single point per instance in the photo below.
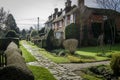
(16, 68)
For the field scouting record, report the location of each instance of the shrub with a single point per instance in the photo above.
(33, 33)
(72, 31)
(6, 41)
(71, 45)
(49, 40)
(74, 59)
(42, 43)
(28, 37)
(42, 31)
(11, 33)
(103, 71)
(115, 64)
(57, 43)
(16, 68)
(92, 42)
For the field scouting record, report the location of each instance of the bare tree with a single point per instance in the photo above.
(109, 4)
(3, 15)
(114, 6)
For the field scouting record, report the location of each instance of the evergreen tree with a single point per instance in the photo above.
(23, 33)
(11, 23)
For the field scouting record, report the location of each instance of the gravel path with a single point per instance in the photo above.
(60, 71)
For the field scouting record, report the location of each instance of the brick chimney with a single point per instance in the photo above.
(68, 3)
(68, 6)
(56, 10)
(81, 2)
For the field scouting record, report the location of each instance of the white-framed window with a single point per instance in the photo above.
(58, 35)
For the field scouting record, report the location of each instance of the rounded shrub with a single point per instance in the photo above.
(49, 40)
(34, 33)
(115, 64)
(11, 33)
(71, 45)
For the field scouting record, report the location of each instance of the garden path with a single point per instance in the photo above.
(60, 71)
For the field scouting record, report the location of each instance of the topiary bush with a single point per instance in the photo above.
(57, 43)
(92, 42)
(72, 31)
(33, 33)
(16, 68)
(115, 64)
(4, 42)
(11, 33)
(103, 71)
(49, 40)
(71, 45)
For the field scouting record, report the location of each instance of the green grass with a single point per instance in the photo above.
(89, 77)
(28, 57)
(41, 73)
(94, 51)
(94, 55)
(86, 54)
(56, 59)
(49, 55)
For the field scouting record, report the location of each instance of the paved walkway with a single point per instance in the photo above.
(60, 71)
(79, 66)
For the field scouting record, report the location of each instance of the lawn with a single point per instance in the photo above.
(54, 58)
(28, 57)
(95, 51)
(86, 54)
(41, 73)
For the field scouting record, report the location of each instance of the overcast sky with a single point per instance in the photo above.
(26, 11)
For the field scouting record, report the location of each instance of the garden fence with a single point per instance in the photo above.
(2, 59)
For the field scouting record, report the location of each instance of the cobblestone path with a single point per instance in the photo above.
(60, 71)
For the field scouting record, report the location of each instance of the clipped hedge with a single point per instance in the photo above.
(49, 40)
(11, 33)
(72, 31)
(4, 42)
(16, 68)
(71, 45)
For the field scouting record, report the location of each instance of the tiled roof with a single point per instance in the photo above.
(60, 30)
(58, 19)
(72, 11)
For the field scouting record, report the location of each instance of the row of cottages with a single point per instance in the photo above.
(92, 21)
(60, 19)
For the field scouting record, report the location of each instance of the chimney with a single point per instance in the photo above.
(68, 3)
(61, 10)
(56, 10)
(81, 2)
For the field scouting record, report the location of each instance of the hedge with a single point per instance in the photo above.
(4, 42)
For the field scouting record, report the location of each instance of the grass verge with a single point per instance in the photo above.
(41, 73)
(56, 59)
(82, 55)
(28, 57)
